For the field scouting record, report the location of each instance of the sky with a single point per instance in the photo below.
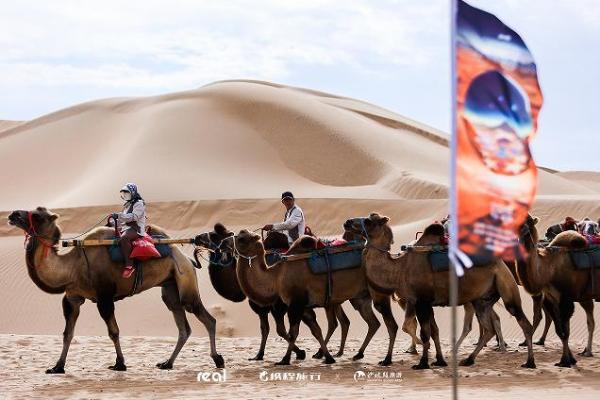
(393, 53)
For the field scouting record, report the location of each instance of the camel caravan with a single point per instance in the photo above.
(287, 271)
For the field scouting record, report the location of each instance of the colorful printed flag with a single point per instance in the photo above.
(497, 100)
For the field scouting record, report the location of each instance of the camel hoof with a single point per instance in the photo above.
(165, 365)
(421, 366)
(586, 353)
(284, 361)
(467, 362)
(540, 342)
(529, 364)
(341, 353)
(118, 367)
(500, 349)
(563, 364)
(385, 361)
(439, 363)
(219, 362)
(258, 357)
(358, 356)
(411, 350)
(329, 359)
(55, 370)
(318, 354)
(300, 355)
(523, 343)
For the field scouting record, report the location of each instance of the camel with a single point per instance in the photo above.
(551, 274)
(410, 275)
(223, 277)
(300, 289)
(90, 274)
(539, 312)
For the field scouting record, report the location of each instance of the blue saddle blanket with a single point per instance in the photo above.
(587, 258)
(117, 256)
(322, 260)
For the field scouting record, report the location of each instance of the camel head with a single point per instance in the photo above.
(373, 228)
(587, 227)
(39, 222)
(247, 244)
(528, 234)
(213, 239)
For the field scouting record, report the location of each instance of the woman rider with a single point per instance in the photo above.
(131, 223)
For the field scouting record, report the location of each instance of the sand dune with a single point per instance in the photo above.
(225, 152)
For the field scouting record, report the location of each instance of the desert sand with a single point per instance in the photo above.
(225, 152)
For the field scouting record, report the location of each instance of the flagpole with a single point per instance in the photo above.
(453, 226)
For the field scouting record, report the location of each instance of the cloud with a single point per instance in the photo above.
(168, 46)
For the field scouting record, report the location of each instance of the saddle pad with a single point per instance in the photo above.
(440, 262)
(117, 256)
(586, 258)
(322, 260)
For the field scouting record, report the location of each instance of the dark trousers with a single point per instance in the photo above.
(126, 244)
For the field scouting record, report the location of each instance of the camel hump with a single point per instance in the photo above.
(303, 244)
(435, 229)
(570, 239)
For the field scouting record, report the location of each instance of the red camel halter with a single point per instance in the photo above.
(31, 232)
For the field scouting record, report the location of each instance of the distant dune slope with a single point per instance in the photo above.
(234, 139)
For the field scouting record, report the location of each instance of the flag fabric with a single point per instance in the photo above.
(496, 103)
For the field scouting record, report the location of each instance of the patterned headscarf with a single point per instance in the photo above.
(132, 188)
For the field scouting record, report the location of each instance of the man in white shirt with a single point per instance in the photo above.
(293, 224)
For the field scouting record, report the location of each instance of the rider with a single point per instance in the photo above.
(131, 222)
(293, 224)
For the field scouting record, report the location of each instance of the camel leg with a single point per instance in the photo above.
(345, 327)
(467, 323)
(424, 313)
(559, 311)
(263, 316)
(332, 324)
(509, 292)
(278, 311)
(435, 334)
(547, 324)
(498, 330)
(209, 322)
(365, 309)
(295, 313)
(106, 308)
(410, 326)
(537, 318)
(310, 318)
(483, 312)
(70, 307)
(588, 306)
(385, 309)
(170, 296)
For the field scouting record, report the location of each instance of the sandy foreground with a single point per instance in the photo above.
(495, 375)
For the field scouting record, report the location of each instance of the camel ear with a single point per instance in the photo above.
(535, 220)
(384, 220)
(54, 217)
(220, 229)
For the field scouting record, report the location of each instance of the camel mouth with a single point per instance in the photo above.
(15, 219)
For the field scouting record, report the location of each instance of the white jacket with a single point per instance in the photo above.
(293, 225)
(137, 214)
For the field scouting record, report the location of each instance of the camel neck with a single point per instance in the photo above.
(49, 271)
(257, 280)
(529, 270)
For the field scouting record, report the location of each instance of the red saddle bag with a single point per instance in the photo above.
(144, 249)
